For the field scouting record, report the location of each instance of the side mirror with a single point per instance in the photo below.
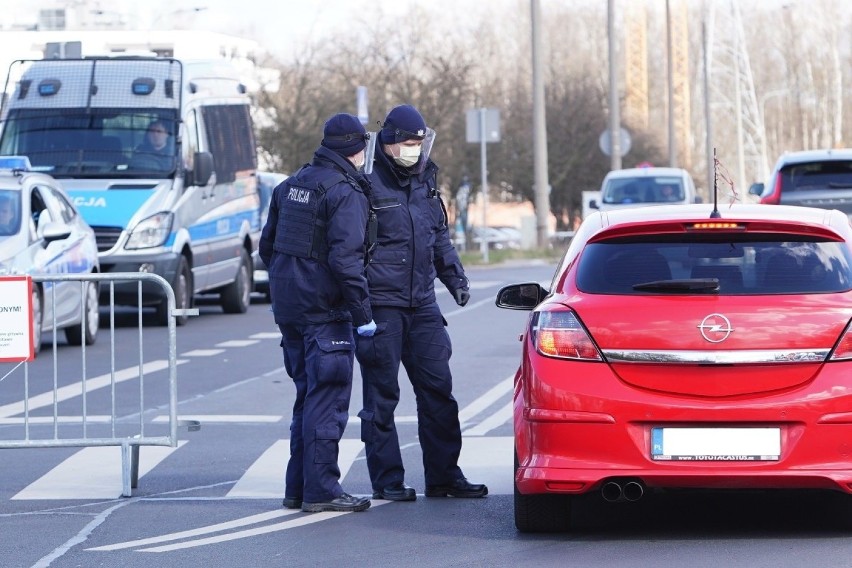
(521, 296)
(593, 204)
(755, 188)
(54, 231)
(202, 170)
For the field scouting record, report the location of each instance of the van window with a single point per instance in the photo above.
(231, 139)
(644, 190)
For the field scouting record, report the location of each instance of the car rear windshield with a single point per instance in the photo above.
(657, 189)
(834, 174)
(742, 264)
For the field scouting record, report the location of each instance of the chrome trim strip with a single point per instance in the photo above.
(717, 357)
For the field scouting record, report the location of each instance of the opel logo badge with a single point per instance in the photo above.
(715, 328)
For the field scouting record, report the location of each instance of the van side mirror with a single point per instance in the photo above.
(755, 189)
(593, 204)
(202, 170)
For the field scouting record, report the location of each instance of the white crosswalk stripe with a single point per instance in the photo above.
(95, 473)
(91, 473)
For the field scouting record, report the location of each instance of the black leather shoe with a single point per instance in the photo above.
(459, 488)
(398, 491)
(343, 503)
(292, 503)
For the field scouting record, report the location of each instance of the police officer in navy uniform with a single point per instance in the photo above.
(412, 248)
(314, 245)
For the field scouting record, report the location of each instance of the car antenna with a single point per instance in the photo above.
(715, 213)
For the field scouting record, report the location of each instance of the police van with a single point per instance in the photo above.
(158, 155)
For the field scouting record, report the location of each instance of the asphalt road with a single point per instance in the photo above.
(215, 499)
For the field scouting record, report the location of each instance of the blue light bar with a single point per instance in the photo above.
(15, 163)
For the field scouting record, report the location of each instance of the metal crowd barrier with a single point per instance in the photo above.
(89, 430)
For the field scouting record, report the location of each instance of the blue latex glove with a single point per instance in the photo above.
(462, 296)
(367, 330)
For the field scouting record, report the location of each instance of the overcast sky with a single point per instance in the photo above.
(276, 24)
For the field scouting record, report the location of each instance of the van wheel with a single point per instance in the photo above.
(182, 287)
(91, 309)
(236, 296)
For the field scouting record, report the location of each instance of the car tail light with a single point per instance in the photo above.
(774, 198)
(560, 334)
(843, 349)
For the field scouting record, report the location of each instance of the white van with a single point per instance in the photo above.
(180, 201)
(638, 187)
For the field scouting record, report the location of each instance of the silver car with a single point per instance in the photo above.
(41, 233)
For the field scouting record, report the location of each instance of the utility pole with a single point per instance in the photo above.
(542, 185)
(614, 117)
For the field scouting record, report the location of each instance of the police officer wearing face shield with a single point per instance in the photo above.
(314, 245)
(412, 247)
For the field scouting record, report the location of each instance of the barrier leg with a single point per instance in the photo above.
(134, 467)
(126, 467)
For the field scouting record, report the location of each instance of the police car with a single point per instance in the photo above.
(266, 183)
(42, 233)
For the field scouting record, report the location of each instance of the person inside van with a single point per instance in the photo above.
(7, 216)
(669, 193)
(154, 153)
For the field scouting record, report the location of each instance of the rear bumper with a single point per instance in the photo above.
(596, 429)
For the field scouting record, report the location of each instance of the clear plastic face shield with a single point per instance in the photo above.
(370, 151)
(425, 150)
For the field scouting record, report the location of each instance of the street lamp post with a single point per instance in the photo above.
(763, 147)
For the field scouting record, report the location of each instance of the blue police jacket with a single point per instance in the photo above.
(331, 287)
(413, 244)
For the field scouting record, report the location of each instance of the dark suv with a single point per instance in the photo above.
(811, 178)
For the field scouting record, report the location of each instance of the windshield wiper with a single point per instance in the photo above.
(686, 285)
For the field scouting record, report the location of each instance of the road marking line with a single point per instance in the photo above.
(91, 473)
(300, 522)
(224, 418)
(266, 335)
(490, 397)
(202, 352)
(92, 384)
(237, 343)
(489, 461)
(494, 421)
(250, 520)
(469, 307)
(265, 477)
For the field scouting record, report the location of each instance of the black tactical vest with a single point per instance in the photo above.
(301, 232)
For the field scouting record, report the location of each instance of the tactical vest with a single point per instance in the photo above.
(301, 232)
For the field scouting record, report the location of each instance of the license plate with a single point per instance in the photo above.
(716, 444)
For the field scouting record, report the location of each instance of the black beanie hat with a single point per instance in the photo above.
(344, 134)
(403, 123)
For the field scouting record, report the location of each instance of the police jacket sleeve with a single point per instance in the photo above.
(448, 265)
(347, 210)
(267, 235)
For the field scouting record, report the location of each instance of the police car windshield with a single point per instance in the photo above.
(94, 143)
(10, 213)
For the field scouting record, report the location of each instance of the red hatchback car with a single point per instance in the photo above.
(677, 349)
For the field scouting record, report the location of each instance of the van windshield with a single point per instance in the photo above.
(94, 142)
(658, 189)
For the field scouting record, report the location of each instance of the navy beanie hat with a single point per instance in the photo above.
(344, 134)
(403, 123)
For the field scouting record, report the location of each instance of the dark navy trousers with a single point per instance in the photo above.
(319, 358)
(416, 337)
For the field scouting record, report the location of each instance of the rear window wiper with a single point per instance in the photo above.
(686, 285)
(840, 185)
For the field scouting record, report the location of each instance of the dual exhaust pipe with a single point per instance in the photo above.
(621, 490)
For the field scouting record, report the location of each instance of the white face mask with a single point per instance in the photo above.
(408, 156)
